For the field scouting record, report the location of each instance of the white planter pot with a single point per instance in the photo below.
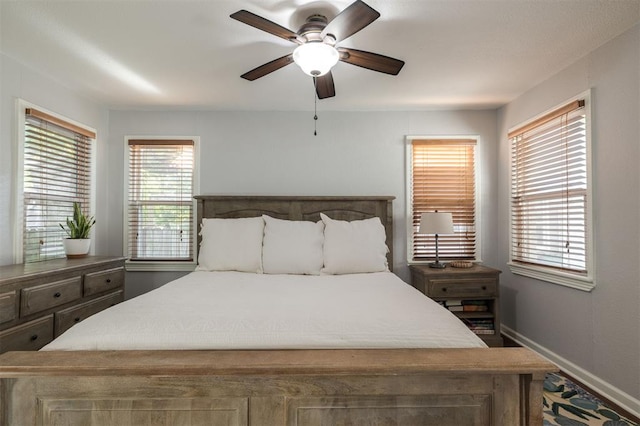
(75, 248)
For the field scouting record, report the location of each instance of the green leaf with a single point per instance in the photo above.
(579, 412)
(548, 386)
(566, 421)
(608, 414)
(568, 394)
(584, 403)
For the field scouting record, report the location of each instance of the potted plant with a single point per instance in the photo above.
(78, 243)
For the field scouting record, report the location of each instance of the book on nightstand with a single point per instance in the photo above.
(475, 306)
(480, 326)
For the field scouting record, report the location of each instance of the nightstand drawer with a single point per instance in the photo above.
(97, 282)
(463, 288)
(46, 296)
(8, 306)
(68, 317)
(29, 336)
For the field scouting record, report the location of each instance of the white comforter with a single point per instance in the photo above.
(234, 310)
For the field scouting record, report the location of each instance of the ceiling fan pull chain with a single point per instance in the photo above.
(315, 107)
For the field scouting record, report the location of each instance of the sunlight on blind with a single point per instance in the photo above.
(549, 191)
(160, 207)
(443, 179)
(57, 173)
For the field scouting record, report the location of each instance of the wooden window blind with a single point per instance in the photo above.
(56, 173)
(549, 190)
(443, 179)
(160, 200)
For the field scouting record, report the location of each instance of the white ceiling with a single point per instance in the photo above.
(187, 54)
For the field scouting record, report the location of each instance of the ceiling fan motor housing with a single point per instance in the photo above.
(312, 29)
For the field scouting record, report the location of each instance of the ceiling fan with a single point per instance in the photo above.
(318, 49)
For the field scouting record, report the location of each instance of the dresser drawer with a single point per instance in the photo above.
(70, 316)
(8, 306)
(98, 282)
(29, 336)
(463, 288)
(45, 296)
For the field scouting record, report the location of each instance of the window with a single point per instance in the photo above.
(443, 178)
(550, 197)
(56, 162)
(160, 202)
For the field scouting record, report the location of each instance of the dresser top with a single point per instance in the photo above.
(27, 270)
(450, 270)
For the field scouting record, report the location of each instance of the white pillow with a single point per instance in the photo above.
(231, 245)
(292, 247)
(354, 247)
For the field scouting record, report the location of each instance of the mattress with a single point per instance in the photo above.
(235, 310)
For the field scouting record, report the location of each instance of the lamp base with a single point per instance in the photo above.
(437, 265)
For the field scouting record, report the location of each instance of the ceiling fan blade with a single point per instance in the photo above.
(267, 68)
(324, 86)
(372, 61)
(351, 20)
(263, 24)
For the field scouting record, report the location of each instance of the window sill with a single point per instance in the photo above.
(166, 266)
(554, 277)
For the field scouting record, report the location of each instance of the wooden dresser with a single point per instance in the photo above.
(472, 294)
(39, 301)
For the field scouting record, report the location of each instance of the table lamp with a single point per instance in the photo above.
(436, 223)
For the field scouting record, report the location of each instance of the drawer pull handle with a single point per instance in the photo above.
(34, 337)
(108, 280)
(484, 287)
(444, 289)
(77, 319)
(57, 295)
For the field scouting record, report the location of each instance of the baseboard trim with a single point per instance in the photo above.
(617, 396)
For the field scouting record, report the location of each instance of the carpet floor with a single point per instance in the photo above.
(567, 404)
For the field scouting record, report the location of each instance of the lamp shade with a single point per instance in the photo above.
(315, 58)
(436, 223)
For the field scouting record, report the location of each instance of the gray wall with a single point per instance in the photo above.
(276, 153)
(598, 331)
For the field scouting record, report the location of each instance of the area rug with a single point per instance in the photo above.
(567, 404)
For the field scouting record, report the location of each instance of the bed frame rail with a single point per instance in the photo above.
(501, 386)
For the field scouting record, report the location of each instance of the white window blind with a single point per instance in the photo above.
(160, 201)
(443, 179)
(549, 191)
(56, 173)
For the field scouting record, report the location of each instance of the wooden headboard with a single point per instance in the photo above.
(300, 208)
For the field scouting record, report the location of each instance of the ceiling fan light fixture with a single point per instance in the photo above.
(316, 58)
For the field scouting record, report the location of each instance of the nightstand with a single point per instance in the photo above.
(472, 294)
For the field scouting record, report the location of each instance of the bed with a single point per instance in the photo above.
(308, 375)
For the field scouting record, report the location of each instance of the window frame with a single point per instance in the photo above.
(585, 282)
(409, 192)
(161, 265)
(21, 105)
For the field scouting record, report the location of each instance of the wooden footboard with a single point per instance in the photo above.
(497, 386)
